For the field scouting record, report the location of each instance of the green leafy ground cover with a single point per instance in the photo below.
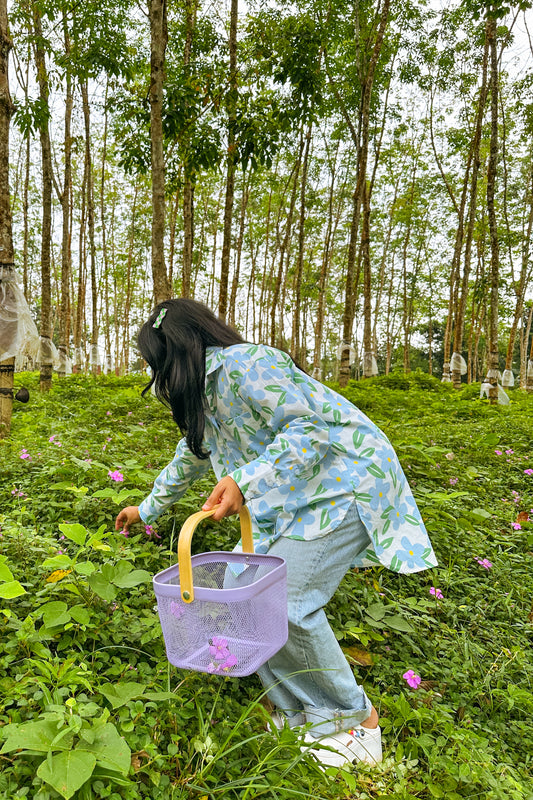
(90, 708)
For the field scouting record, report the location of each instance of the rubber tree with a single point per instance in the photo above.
(7, 366)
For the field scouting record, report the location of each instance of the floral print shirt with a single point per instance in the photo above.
(301, 454)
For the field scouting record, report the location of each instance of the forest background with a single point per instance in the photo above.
(351, 181)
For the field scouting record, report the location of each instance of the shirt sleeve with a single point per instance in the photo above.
(276, 397)
(172, 482)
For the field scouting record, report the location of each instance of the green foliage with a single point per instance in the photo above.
(89, 706)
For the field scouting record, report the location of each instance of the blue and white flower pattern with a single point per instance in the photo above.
(271, 427)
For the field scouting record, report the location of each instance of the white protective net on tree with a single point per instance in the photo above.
(508, 378)
(503, 399)
(18, 332)
(457, 363)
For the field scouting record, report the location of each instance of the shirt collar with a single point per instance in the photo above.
(214, 356)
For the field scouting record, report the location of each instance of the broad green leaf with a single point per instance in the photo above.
(377, 611)
(119, 694)
(80, 614)
(5, 573)
(11, 589)
(481, 513)
(37, 736)
(102, 587)
(110, 749)
(107, 492)
(134, 578)
(76, 532)
(58, 562)
(55, 613)
(67, 771)
(159, 697)
(398, 623)
(85, 568)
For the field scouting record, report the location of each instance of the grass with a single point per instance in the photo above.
(83, 660)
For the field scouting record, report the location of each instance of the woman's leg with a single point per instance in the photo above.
(310, 672)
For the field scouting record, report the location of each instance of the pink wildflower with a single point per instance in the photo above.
(176, 609)
(453, 481)
(116, 475)
(499, 452)
(108, 413)
(24, 454)
(412, 678)
(526, 471)
(509, 452)
(436, 593)
(219, 648)
(484, 562)
(516, 526)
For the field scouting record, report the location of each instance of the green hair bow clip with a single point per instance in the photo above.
(160, 317)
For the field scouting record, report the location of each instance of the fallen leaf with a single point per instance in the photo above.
(523, 516)
(58, 575)
(136, 762)
(359, 655)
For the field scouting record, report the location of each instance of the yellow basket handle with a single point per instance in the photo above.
(184, 546)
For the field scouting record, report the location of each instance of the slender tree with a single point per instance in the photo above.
(8, 331)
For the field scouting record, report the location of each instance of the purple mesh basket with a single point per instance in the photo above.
(227, 613)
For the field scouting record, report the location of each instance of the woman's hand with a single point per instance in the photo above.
(127, 517)
(228, 495)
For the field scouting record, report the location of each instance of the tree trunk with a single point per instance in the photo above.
(158, 38)
(492, 356)
(66, 256)
(46, 356)
(476, 163)
(238, 254)
(230, 169)
(94, 356)
(285, 247)
(361, 140)
(296, 309)
(7, 367)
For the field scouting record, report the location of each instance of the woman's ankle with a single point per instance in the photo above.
(371, 721)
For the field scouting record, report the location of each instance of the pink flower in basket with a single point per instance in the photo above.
(224, 666)
(176, 609)
(219, 648)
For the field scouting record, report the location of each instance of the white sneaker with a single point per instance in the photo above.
(357, 744)
(280, 719)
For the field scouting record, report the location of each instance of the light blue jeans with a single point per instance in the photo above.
(310, 673)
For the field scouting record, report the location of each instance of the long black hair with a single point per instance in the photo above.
(175, 352)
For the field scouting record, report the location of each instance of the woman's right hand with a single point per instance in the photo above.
(127, 517)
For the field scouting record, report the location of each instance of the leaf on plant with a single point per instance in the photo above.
(377, 611)
(85, 568)
(398, 623)
(54, 613)
(119, 694)
(80, 614)
(131, 579)
(75, 532)
(11, 589)
(37, 736)
(110, 749)
(67, 771)
(5, 573)
(58, 562)
(102, 587)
